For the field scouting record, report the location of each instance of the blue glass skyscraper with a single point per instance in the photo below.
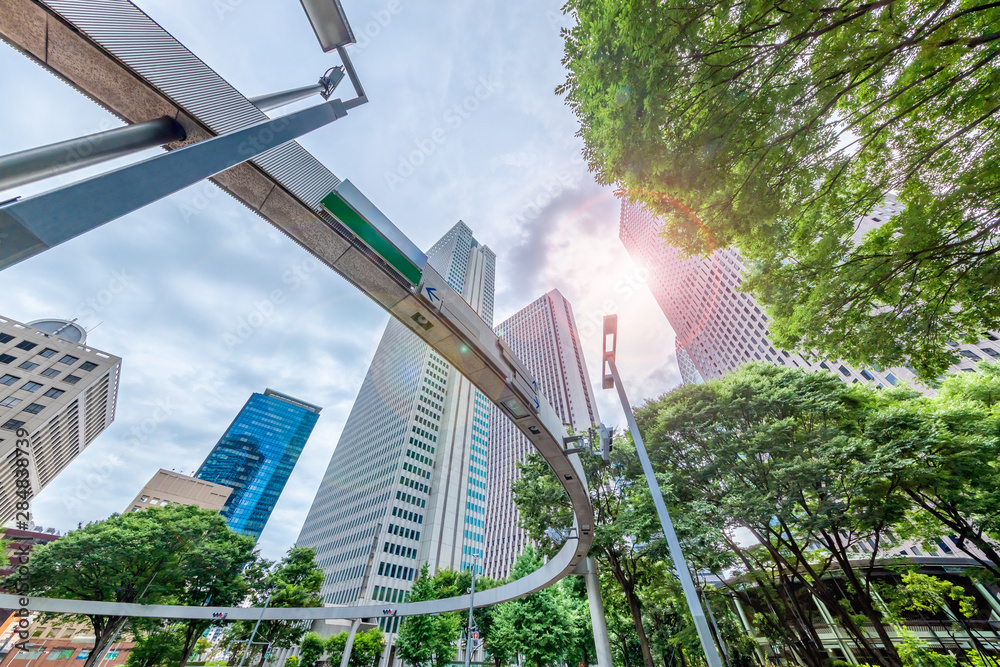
(256, 455)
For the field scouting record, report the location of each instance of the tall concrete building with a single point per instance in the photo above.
(407, 480)
(256, 455)
(59, 390)
(172, 488)
(544, 337)
(719, 328)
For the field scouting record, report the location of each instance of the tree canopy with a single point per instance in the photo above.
(294, 581)
(773, 127)
(166, 554)
(794, 488)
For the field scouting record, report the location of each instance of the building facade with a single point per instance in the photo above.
(167, 487)
(59, 390)
(719, 328)
(544, 337)
(256, 455)
(406, 485)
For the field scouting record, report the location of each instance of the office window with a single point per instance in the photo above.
(88, 366)
(34, 408)
(9, 402)
(9, 379)
(6, 358)
(26, 345)
(31, 386)
(12, 424)
(28, 365)
(5, 338)
(54, 393)
(71, 379)
(47, 352)
(69, 359)
(50, 372)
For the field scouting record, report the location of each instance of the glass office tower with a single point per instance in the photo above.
(406, 485)
(256, 455)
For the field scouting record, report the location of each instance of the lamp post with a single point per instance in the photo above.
(611, 379)
(469, 648)
(257, 625)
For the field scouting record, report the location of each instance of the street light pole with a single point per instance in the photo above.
(610, 380)
(257, 625)
(468, 626)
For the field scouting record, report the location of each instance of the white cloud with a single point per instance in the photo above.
(198, 263)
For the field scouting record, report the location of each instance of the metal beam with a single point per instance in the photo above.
(38, 223)
(676, 553)
(275, 100)
(37, 164)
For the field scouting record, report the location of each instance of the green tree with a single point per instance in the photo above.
(135, 557)
(156, 643)
(311, 649)
(779, 453)
(773, 127)
(294, 581)
(943, 454)
(365, 651)
(538, 626)
(292, 661)
(368, 647)
(213, 574)
(625, 522)
(428, 640)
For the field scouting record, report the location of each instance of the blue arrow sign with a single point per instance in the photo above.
(432, 294)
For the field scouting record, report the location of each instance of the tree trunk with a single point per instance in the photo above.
(634, 607)
(864, 602)
(105, 628)
(192, 631)
(964, 530)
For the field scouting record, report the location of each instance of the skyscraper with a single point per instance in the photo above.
(544, 337)
(59, 390)
(256, 455)
(719, 328)
(407, 480)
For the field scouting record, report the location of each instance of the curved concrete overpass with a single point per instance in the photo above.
(113, 53)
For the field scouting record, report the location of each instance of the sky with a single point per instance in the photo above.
(462, 124)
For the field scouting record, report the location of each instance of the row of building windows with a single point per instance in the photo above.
(407, 498)
(403, 531)
(395, 571)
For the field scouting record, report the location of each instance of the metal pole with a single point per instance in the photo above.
(680, 565)
(36, 164)
(275, 100)
(325, 87)
(33, 225)
(349, 646)
(711, 617)
(468, 626)
(257, 625)
(602, 643)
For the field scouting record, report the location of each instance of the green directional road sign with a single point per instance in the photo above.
(358, 214)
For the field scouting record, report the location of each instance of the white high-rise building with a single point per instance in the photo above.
(544, 337)
(57, 389)
(719, 328)
(407, 480)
